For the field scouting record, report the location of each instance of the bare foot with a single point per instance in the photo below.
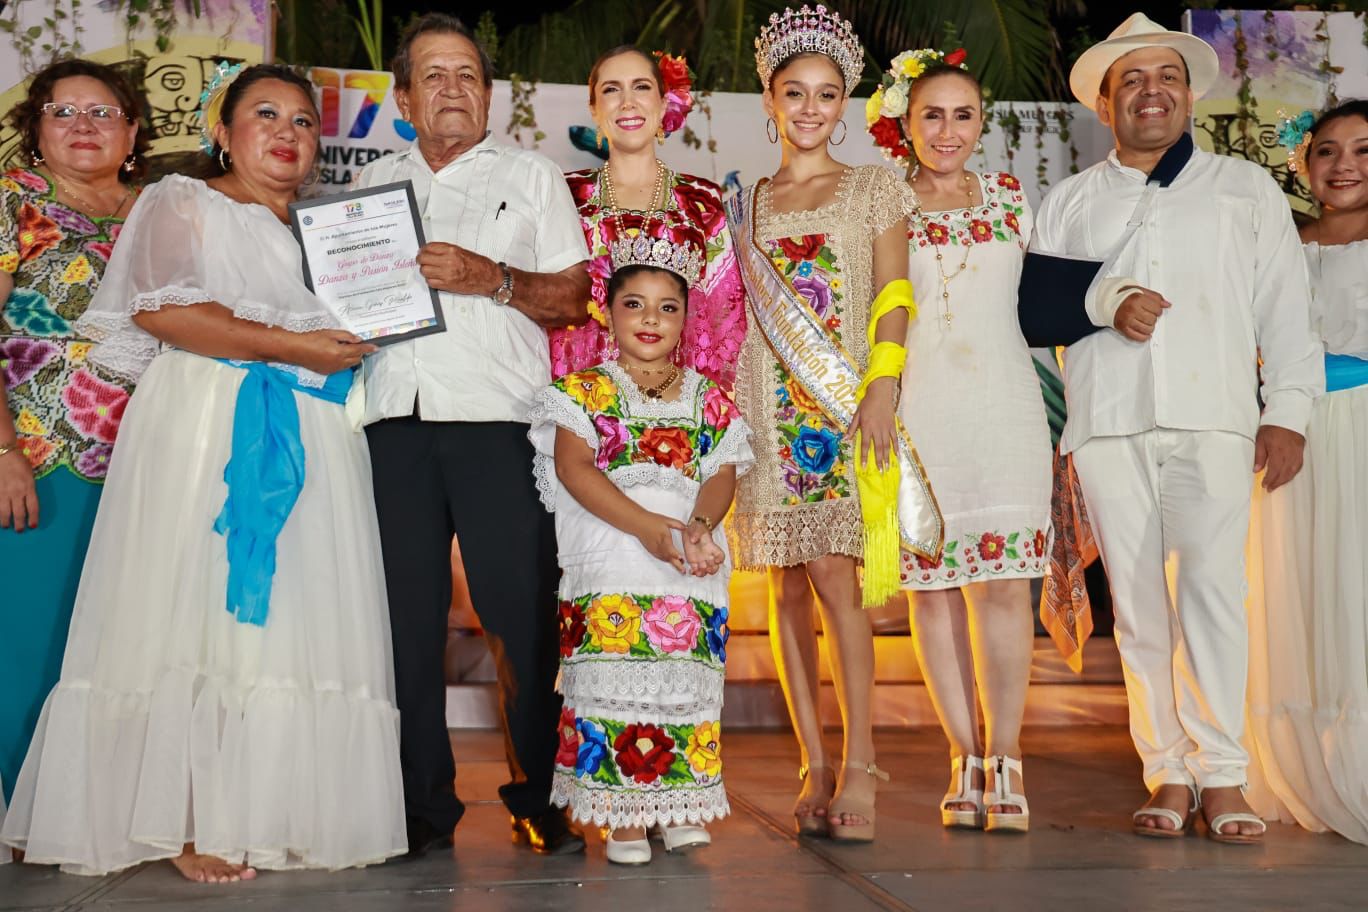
(1175, 798)
(1228, 800)
(209, 869)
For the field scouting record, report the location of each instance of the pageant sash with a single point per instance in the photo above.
(826, 371)
(264, 474)
(1344, 372)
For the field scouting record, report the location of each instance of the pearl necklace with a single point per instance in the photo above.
(945, 280)
(90, 208)
(656, 391)
(610, 192)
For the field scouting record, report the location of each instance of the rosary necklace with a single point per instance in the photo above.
(656, 391)
(90, 208)
(610, 192)
(945, 280)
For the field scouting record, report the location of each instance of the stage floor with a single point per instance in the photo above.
(1083, 782)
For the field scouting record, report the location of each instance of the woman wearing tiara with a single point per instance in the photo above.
(823, 254)
(1308, 668)
(637, 100)
(638, 459)
(226, 696)
(972, 402)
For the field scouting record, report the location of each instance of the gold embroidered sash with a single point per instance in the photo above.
(826, 371)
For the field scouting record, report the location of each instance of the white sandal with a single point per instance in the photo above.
(1236, 838)
(1002, 794)
(961, 769)
(1180, 823)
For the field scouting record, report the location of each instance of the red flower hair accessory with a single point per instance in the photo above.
(678, 90)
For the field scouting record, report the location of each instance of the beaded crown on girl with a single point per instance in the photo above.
(809, 30)
(655, 245)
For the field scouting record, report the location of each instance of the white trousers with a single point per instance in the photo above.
(1170, 511)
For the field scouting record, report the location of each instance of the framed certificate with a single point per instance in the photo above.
(359, 251)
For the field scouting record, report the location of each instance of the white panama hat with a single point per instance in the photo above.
(1140, 31)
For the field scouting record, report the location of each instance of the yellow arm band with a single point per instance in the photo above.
(897, 293)
(886, 359)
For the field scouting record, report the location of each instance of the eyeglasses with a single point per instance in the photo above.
(104, 116)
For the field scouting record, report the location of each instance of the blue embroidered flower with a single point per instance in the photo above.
(805, 268)
(705, 443)
(718, 634)
(593, 748)
(28, 310)
(814, 449)
(783, 394)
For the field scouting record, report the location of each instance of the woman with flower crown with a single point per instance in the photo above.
(226, 697)
(971, 400)
(822, 248)
(637, 100)
(638, 459)
(1308, 664)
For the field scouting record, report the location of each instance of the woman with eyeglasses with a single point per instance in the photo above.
(82, 148)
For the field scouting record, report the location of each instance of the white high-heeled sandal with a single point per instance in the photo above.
(961, 768)
(1181, 823)
(1006, 821)
(681, 838)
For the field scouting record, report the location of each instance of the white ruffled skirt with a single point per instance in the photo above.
(1308, 608)
(277, 746)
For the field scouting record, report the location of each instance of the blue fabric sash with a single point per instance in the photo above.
(265, 474)
(1344, 372)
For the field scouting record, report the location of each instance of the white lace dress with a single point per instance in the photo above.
(642, 646)
(971, 400)
(278, 744)
(1308, 605)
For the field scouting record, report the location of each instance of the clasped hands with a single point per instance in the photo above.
(701, 553)
(447, 267)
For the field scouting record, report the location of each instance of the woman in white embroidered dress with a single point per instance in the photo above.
(1308, 669)
(627, 465)
(971, 401)
(217, 709)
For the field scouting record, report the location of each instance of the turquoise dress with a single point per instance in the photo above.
(67, 415)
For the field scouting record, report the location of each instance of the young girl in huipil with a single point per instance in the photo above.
(638, 458)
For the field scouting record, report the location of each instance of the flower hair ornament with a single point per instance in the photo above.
(818, 30)
(886, 107)
(211, 101)
(1294, 135)
(656, 245)
(678, 89)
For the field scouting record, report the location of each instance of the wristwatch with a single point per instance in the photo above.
(700, 518)
(504, 293)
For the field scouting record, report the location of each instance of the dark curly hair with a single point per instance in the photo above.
(1355, 107)
(26, 116)
(245, 80)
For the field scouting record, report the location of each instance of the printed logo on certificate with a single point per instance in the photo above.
(359, 251)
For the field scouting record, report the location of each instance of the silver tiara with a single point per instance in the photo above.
(684, 260)
(809, 30)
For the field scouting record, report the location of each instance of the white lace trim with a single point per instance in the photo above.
(125, 349)
(677, 691)
(617, 807)
(733, 449)
(551, 409)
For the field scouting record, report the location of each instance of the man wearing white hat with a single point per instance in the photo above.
(1203, 276)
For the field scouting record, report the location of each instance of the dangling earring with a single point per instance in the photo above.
(612, 353)
(130, 163)
(225, 160)
(837, 142)
(660, 136)
(773, 136)
(37, 158)
(677, 354)
(978, 146)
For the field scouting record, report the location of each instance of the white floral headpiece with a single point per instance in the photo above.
(211, 101)
(808, 30)
(885, 109)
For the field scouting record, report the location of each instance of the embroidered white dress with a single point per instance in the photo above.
(1308, 669)
(970, 396)
(642, 646)
(275, 745)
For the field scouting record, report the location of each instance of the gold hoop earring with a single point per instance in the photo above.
(837, 142)
(225, 160)
(660, 136)
(773, 136)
